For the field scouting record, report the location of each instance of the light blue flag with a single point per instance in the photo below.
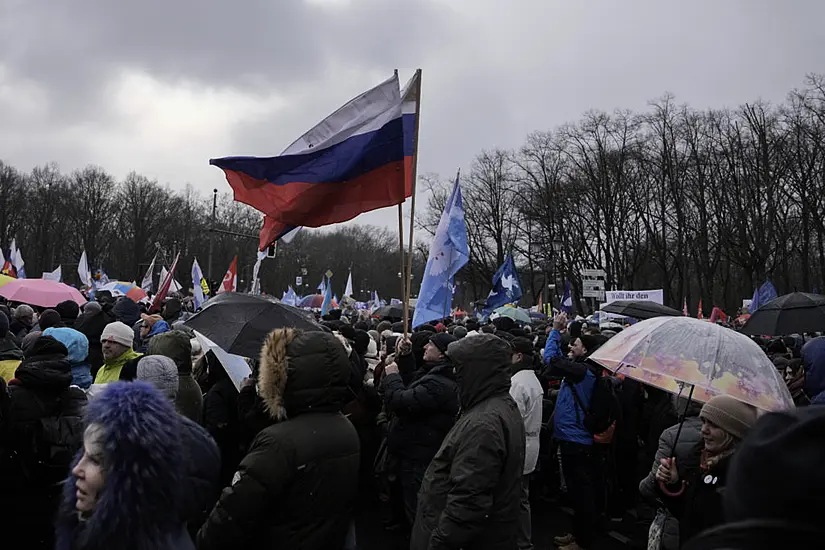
(290, 298)
(197, 290)
(448, 253)
(506, 287)
(327, 304)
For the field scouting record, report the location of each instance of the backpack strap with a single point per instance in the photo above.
(577, 399)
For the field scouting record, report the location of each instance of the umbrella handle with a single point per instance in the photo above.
(670, 493)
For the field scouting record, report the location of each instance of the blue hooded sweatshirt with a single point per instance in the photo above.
(78, 346)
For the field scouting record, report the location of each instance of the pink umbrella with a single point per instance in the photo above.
(40, 292)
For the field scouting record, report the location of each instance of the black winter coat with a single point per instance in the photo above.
(297, 486)
(699, 507)
(425, 411)
(470, 494)
(43, 431)
(220, 418)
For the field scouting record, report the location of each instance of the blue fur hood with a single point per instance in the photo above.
(140, 505)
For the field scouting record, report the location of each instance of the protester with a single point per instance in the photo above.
(526, 391)
(471, 491)
(78, 348)
(177, 345)
(775, 489)
(575, 441)
(694, 494)
(10, 354)
(23, 321)
(425, 412)
(220, 416)
(275, 499)
(91, 323)
(116, 341)
(151, 326)
(41, 434)
(126, 488)
(664, 532)
(69, 312)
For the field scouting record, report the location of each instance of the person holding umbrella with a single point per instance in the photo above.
(694, 494)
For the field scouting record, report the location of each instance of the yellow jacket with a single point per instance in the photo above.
(110, 371)
(8, 368)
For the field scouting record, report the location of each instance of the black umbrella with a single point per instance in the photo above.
(239, 323)
(640, 309)
(393, 312)
(793, 313)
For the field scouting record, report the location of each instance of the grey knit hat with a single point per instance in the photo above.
(733, 416)
(161, 372)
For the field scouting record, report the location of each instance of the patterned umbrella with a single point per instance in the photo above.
(315, 301)
(673, 353)
(122, 288)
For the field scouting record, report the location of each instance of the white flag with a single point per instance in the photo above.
(146, 283)
(83, 271)
(17, 260)
(348, 290)
(197, 290)
(256, 283)
(174, 286)
(56, 275)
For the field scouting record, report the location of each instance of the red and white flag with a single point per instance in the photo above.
(685, 309)
(164, 286)
(230, 280)
(700, 315)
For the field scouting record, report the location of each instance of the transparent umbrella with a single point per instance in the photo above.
(675, 353)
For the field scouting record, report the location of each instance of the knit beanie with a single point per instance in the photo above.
(733, 416)
(522, 345)
(442, 341)
(48, 319)
(460, 332)
(119, 333)
(777, 472)
(161, 372)
(176, 345)
(590, 343)
(68, 310)
(150, 320)
(91, 308)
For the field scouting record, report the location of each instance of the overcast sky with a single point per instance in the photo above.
(160, 86)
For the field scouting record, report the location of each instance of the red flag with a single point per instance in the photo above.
(700, 315)
(718, 315)
(9, 269)
(230, 280)
(685, 309)
(164, 286)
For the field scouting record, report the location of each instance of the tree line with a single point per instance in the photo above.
(705, 204)
(122, 224)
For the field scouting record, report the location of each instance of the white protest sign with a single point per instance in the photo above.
(657, 296)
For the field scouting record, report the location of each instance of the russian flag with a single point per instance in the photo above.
(354, 161)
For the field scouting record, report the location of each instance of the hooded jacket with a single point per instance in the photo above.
(297, 485)
(78, 347)
(471, 491)
(144, 499)
(10, 357)
(813, 356)
(177, 345)
(425, 411)
(526, 391)
(568, 420)
(43, 431)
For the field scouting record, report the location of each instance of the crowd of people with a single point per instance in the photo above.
(118, 431)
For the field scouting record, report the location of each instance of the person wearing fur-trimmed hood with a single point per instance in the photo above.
(126, 485)
(297, 485)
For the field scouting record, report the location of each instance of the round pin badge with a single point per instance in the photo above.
(708, 479)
